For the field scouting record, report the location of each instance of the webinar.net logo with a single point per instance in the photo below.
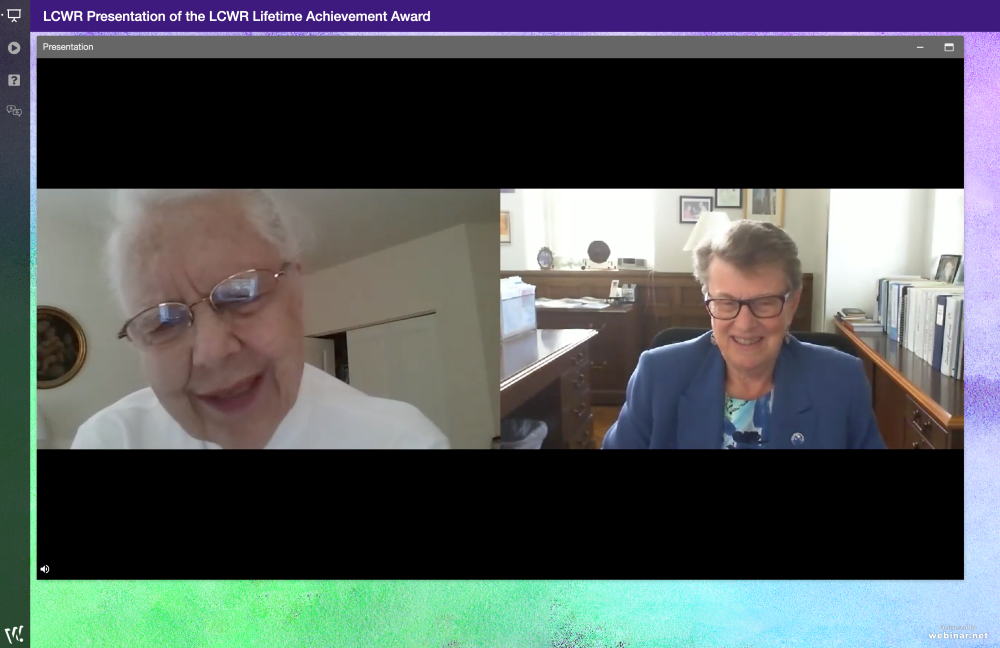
(958, 632)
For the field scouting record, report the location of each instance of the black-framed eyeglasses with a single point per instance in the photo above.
(763, 307)
(238, 294)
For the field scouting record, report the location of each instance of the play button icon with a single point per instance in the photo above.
(13, 48)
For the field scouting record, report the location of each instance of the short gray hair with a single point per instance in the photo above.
(131, 206)
(750, 245)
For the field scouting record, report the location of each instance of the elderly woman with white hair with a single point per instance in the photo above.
(211, 281)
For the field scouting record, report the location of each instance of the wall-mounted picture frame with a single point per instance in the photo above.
(765, 205)
(729, 199)
(692, 207)
(62, 347)
(506, 191)
(505, 227)
(948, 267)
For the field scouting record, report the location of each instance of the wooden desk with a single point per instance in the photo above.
(917, 407)
(614, 353)
(543, 376)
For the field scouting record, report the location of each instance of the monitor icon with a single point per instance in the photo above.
(949, 47)
(13, 14)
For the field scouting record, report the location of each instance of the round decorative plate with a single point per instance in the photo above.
(62, 347)
(598, 251)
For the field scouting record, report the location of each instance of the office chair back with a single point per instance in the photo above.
(838, 342)
(675, 335)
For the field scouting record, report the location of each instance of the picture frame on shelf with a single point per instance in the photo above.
(692, 207)
(766, 205)
(948, 268)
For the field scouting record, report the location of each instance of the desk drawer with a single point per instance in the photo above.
(576, 410)
(606, 375)
(607, 365)
(574, 413)
(575, 383)
(919, 421)
(576, 359)
(913, 440)
(582, 437)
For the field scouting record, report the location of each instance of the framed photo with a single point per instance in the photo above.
(960, 275)
(62, 347)
(729, 198)
(506, 191)
(765, 205)
(948, 266)
(505, 227)
(692, 207)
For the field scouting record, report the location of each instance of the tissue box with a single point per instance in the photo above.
(517, 307)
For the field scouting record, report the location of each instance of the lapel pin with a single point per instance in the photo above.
(798, 439)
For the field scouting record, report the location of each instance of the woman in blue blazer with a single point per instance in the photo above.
(748, 384)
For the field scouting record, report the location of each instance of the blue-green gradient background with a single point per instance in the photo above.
(602, 614)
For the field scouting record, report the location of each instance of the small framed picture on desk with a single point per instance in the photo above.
(948, 266)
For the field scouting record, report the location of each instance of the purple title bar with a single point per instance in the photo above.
(505, 16)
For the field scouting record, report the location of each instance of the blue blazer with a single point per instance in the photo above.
(676, 399)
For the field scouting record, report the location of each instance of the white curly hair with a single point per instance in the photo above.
(131, 206)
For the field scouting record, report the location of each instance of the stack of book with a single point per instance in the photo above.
(856, 319)
(926, 317)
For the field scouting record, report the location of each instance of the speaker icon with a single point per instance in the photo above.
(45, 569)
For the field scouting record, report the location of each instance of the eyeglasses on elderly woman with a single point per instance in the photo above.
(240, 294)
(764, 307)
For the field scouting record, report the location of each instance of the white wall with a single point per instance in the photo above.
(527, 228)
(807, 221)
(434, 273)
(874, 233)
(535, 232)
(482, 238)
(946, 227)
(670, 234)
(70, 278)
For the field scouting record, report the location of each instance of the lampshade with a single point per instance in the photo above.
(708, 225)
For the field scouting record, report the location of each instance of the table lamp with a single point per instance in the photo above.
(708, 225)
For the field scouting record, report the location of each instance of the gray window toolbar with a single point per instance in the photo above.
(486, 46)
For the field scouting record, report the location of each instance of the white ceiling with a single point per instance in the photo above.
(342, 224)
